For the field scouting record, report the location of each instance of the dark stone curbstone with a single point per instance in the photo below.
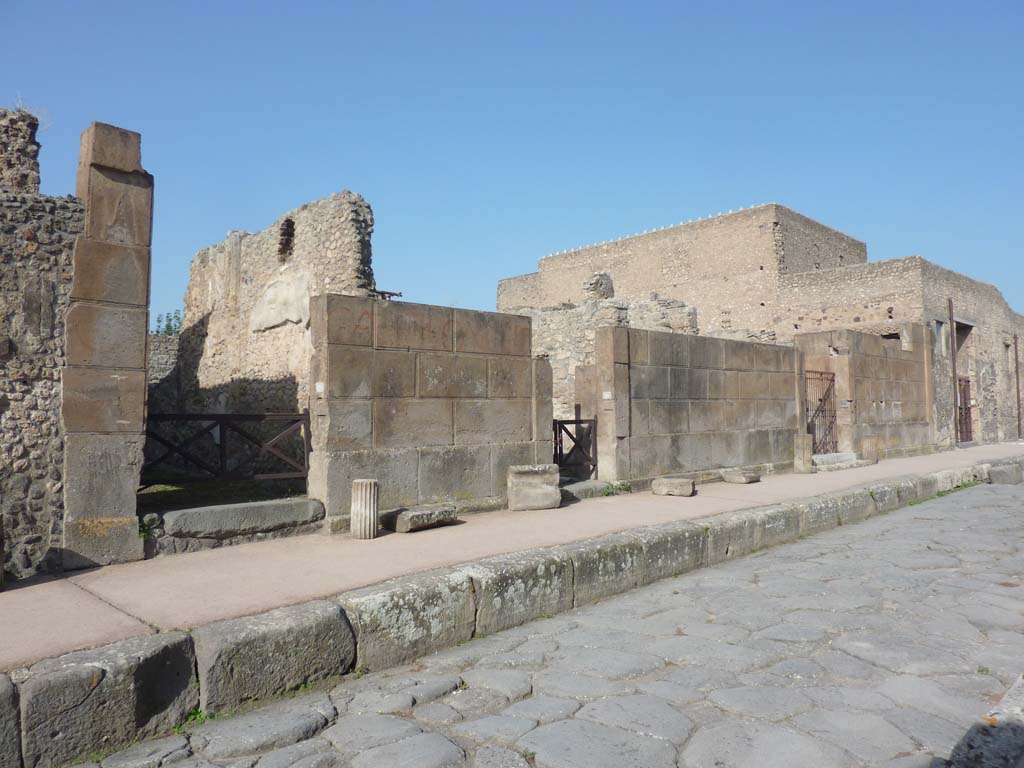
(259, 657)
(733, 534)
(886, 496)
(513, 589)
(927, 486)
(403, 619)
(670, 550)
(781, 524)
(1006, 474)
(10, 737)
(604, 566)
(88, 701)
(820, 513)
(855, 506)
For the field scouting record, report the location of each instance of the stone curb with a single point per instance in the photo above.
(106, 698)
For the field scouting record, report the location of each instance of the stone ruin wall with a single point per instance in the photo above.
(37, 233)
(244, 342)
(162, 373)
(566, 334)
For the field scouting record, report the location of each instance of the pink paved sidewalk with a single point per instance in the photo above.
(95, 607)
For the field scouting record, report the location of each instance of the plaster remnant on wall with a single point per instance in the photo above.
(285, 300)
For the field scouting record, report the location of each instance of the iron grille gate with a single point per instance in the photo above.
(821, 411)
(965, 424)
(582, 443)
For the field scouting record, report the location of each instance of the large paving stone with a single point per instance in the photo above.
(749, 745)
(504, 729)
(101, 699)
(516, 588)
(406, 618)
(584, 744)
(544, 709)
(761, 702)
(641, 714)
(150, 754)
(490, 756)
(427, 750)
(864, 734)
(10, 735)
(314, 753)
(606, 662)
(227, 520)
(572, 685)
(258, 657)
(272, 727)
(358, 733)
(513, 684)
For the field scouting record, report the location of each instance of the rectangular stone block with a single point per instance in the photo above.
(669, 349)
(451, 376)
(401, 620)
(349, 371)
(766, 358)
(407, 423)
(639, 347)
(818, 514)
(611, 345)
(731, 449)
(706, 352)
(737, 355)
(717, 385)
(453, 474)
(105, 698)
(493, 421)
(533, 486)
(394, 374)
(103, 400)
(783, 386)
(652, 456)
(733, 534)
(669, 550)
(106, 336)
(342, 425)
(505, 455)
(543, 406)
(706, 416)
(492, 333)
(510, 377)
(111, 272)
(781, 524)
(649, 382)
(605, 566)
(401, 325)
(640, 416)
(754, 385)
(343, 320)
(544, 451)
(110, 146)
(803, 454)
(331, 475)
(118, 205)
(669, 417)
(240, 661)
(771, 414)
(517, 588)
(688, 383)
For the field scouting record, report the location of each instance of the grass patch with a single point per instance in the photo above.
(195, 717)
(164, 494)
(616, 488)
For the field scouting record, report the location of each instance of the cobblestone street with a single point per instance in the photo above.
(875, 644)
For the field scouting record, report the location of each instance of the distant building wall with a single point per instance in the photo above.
(244, 341)
(37, 233)
(436, 403)
(670, 404)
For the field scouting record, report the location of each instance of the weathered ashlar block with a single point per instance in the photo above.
(10, 731)
(95, 701)
(110, 272)
(533, 486)
(106, 335)
(103, 400)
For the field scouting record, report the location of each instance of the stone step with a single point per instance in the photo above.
(826, 459)
(844, 465)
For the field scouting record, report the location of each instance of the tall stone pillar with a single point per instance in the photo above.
(104, 378)
(611, 365)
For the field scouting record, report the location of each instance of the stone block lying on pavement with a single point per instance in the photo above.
(741, 476)
(10, 737)
(418, 518)
(533, 486)
(258, 657)
(105, 698)
(513, 589)
(672, 486)
(1006, 474)
(228, 520)
(409, 617)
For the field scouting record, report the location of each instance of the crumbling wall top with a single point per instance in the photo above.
(19, 151)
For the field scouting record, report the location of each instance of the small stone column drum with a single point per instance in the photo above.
(365, 520)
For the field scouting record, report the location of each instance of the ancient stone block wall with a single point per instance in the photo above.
(677, 404)
(104, 376)
(883, 387)
(566, 334)
(244, 341)
(728, 266)
(433, 402)
(36, 237)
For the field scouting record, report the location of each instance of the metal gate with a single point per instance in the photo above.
(581, 442)
(965, 424)
(821, 411)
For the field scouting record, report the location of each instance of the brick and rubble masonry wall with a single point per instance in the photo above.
(245, 341)
(566, 334)
(19, 151)
(728, 266)
(37, 234)
(436, 403)
(162, 373)
(671, 404)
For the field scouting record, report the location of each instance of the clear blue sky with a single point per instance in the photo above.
(486, 135)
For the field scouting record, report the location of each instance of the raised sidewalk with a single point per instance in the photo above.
(52, 617)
